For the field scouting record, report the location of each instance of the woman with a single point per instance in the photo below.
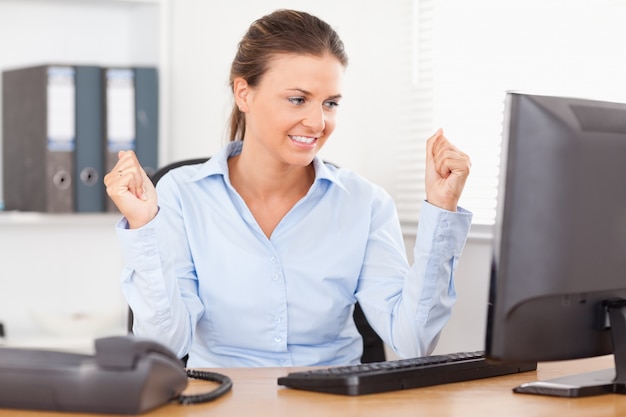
(257, 257)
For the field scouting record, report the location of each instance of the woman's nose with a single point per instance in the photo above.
(315, 119)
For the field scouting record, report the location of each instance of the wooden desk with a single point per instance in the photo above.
(256, 393)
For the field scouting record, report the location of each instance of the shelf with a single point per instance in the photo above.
(73, 219)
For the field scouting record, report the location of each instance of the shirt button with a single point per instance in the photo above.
(275, 278)
(278, 320)
(278, 339)
(273, 260)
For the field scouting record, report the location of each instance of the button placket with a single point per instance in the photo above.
(279, 321)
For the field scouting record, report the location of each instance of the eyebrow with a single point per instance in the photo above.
(308, 93)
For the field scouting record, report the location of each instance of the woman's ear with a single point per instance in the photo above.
(241, 90)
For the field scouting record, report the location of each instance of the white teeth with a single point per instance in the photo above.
(303, 139)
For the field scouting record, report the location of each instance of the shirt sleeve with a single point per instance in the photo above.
(162, 303)
(409, 307)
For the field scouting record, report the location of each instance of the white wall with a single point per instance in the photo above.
(63, 266)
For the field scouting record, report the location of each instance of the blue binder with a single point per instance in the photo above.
(147, 117)
(89, 162)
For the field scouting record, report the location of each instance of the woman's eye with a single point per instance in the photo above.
(332, 104)
(296, 100)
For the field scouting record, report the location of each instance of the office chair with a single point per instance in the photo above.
(373, 346)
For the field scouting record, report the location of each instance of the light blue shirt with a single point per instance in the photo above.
(202, 278)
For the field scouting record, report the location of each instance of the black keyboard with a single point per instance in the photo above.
(394, 375)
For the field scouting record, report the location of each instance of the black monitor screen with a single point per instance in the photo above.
(560, 235)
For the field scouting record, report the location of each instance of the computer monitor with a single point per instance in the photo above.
(558, 284)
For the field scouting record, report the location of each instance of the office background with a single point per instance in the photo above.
(415, 65)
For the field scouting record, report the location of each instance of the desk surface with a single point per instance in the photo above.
(256, 393)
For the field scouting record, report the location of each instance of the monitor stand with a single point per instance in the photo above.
(591, 383)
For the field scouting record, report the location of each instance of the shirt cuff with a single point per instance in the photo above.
(443, 231)
(139, 246)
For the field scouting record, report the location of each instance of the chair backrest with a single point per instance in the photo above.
(373, 346)
(167, 168)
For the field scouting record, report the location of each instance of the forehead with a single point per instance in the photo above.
(307, 72)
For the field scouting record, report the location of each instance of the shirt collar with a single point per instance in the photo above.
(218, 165)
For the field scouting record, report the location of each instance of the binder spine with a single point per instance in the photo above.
(23, 138)
(119, 109)
(146, 117)
(61, 139)
(38, 138)
(89, 158)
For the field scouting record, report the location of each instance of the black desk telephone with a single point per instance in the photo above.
(127, 375)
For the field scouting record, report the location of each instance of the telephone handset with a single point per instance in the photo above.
(127, 375)
(123, 352)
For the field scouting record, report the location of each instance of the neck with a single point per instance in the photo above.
(269, 188)
(259, 178)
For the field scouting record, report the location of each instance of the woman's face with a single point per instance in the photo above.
(291, 113)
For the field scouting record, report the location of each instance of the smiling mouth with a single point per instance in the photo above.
(307, 140)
